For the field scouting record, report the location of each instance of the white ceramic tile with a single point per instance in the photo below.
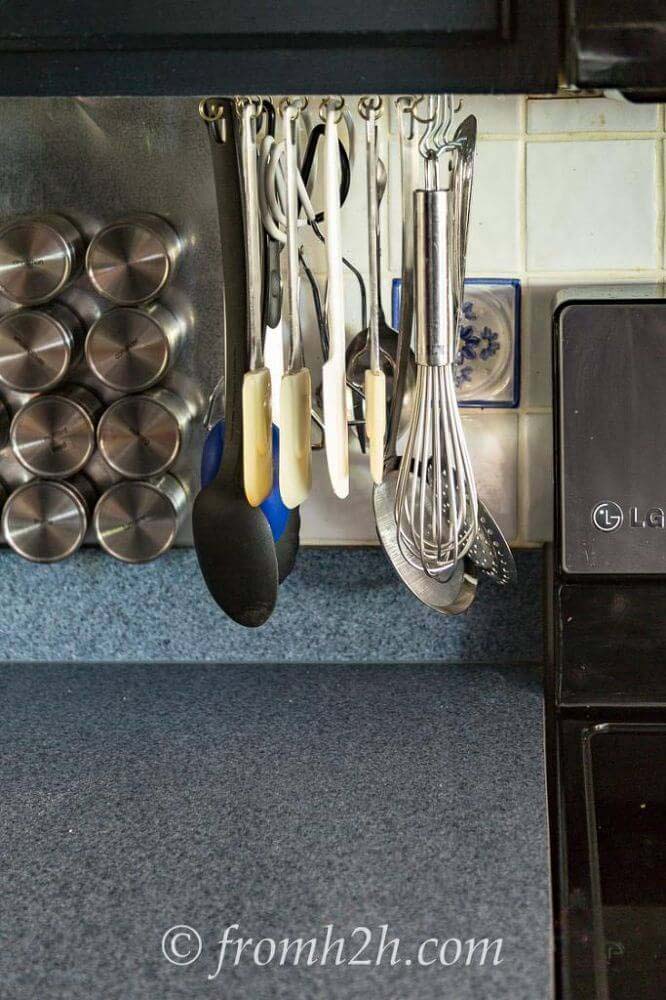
(352, 301)
(493, 442)
(494, 237)
(492, 437)
(355, 209)
(536, 477)
(328, 520)
(590, 114)
(494, 115)
(591, 205)
(313, 250)
(310, 329)
(663, 195)
(536, 341)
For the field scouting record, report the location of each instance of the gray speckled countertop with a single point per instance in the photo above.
(282, 798)
(338, 605)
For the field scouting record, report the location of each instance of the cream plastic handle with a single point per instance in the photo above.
(375, 421)
(295, 438)
(333, 373)
(257, 436)
(257, 421)
(295, 388)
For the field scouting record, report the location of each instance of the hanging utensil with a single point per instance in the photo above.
(257, 435)
(358, 350)
(436, 501)
(436, 508)
(455, 594)
(464, 139)
(233, 540)
(451, 596)
(272, 197)
(405, 363)
(296, 388)
(314, 219)
(375, 380)
(272, 291)
(490, 550)
(272, 189)
(284, 523)
(334, 382)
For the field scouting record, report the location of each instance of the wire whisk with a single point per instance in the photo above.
(436, 504)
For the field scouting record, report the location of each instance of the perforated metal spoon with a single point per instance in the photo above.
(490, 550)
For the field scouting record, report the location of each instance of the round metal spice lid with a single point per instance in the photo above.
(38, 256)
(37, 347)
(53, 436)
(129, 349)
(136, 522)
(4, 425)
(130, 261)
(141, 436)
(45, 521)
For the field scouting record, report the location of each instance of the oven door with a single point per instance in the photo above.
(612, 846)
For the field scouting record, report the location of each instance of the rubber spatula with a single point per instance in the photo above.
(295, 388)
(257, 423)
(375, 380)
(334, 379)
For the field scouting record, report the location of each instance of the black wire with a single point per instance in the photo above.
(308, 163)
(319, 312)
(345, 183)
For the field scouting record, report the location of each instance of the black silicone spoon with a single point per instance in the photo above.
(233, 540)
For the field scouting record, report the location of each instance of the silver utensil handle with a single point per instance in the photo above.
(435, 274)
(408, 155)
(373, 235)
(290, 115)
(252, 244)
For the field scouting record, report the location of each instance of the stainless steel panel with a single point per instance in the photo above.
(612, 465)
(122, 156)
(4, 425)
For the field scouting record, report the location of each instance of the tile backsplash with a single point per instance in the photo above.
(567, 191)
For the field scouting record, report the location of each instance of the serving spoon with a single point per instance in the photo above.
(233, 541)
(358, 349)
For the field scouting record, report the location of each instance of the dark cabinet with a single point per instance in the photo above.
(286, 46)
(277, 46)
(618, 44)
